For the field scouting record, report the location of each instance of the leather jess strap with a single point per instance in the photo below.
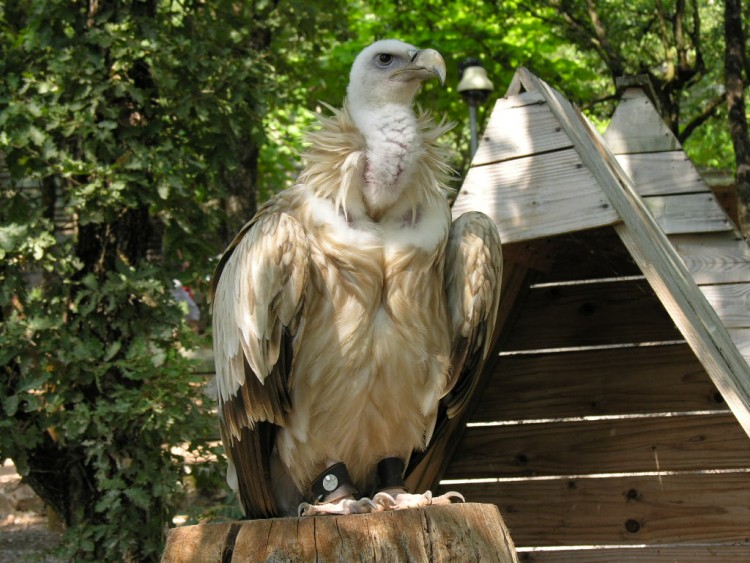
(390, 473)
(333, 484)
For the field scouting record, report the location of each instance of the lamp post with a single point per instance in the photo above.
(475, 87)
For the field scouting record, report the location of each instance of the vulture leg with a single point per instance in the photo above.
(334, 493)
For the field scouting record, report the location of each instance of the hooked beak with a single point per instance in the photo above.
(425, 64)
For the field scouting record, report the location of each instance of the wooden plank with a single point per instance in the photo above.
(637, 509)
(519, 126)
(715, 257)
(698, 553)
(597, 382)
(660, 263)
(662, 173)
(668, 443)
(688, 213)
(741, 339)
(591, 314)
(636, 126)
(731, 302)
(535, 197)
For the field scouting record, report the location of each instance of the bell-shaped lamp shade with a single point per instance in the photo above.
(474, 84)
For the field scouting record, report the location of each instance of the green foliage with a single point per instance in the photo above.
(72, 394)
(112, 138)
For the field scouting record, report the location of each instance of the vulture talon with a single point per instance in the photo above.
(400, 501)
(343, 506)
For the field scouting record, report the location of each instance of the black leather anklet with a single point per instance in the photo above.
(334, 483)
(391, 473)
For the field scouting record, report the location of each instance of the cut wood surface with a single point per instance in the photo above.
(534, 197)
(591, 314)
(670, 443)
(458, 532)
(637, 509)
(662, 173)
(597, 382)
(688, 213)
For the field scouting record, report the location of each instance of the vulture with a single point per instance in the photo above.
(350, 314)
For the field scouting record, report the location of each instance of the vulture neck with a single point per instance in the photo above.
(392, 143)
(341, 163)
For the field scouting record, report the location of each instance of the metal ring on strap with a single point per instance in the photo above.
(334, 483)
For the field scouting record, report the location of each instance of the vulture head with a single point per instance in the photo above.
(391, 72)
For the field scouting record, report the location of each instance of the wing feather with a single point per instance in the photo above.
(258, 307)
(473, 276)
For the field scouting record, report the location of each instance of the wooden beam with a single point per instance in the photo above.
(660, 263)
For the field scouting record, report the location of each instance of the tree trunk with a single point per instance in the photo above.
(735, 85)
(241, 202)
(456, 532)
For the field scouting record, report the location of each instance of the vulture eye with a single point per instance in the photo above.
(384, 59)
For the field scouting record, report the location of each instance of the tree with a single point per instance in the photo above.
(128, 130)
(737, 75)
(673, 42)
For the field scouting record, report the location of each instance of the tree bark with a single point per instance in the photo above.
(734, 66)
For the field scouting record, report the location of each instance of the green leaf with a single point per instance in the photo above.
(10, 405)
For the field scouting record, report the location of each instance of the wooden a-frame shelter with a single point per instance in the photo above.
(599, 192)
(612, 422)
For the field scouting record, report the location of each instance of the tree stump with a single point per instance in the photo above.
(456, 532)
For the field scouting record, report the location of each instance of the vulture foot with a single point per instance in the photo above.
(346, 505)
(400, 500)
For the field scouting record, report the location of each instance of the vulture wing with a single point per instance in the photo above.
(473, 276)
(258, 298)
